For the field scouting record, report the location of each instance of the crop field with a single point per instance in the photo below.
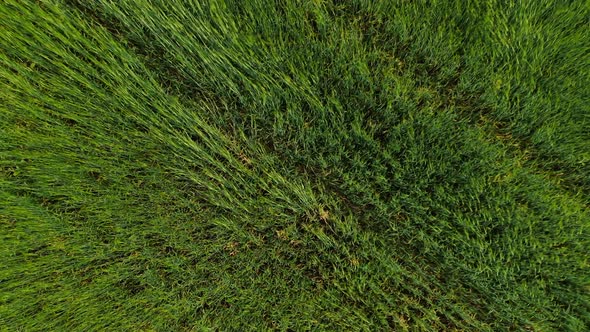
(294, 165)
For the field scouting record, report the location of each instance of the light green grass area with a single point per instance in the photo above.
(294, 165)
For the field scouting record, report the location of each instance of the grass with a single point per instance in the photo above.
(294, 165)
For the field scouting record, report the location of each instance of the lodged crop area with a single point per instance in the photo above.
(294, 165)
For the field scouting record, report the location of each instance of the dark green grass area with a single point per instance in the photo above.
(294, 165)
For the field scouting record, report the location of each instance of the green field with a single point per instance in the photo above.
(294, 165)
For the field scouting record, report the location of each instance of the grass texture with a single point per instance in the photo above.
(294, 165)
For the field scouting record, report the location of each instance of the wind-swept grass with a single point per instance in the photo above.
(299, 165)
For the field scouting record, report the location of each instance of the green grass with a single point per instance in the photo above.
(294, 165)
